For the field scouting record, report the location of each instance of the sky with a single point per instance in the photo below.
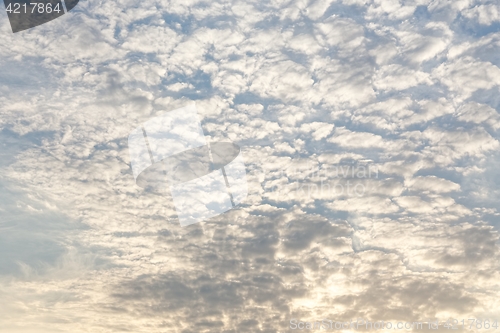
(370, 134)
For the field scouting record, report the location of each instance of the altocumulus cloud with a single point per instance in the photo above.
(408, 87)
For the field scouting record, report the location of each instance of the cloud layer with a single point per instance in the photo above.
(408, 88)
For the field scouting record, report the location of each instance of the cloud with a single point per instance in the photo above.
(484, 14)
(466, 76)
(304, 87)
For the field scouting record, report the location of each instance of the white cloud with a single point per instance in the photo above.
(318, 130)
(484, 14)
(300, 86)
(479, 114)
(432, 184)
(349, 139)
(473, 142)
(397, 77)
(151, 39)
(466, 76)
